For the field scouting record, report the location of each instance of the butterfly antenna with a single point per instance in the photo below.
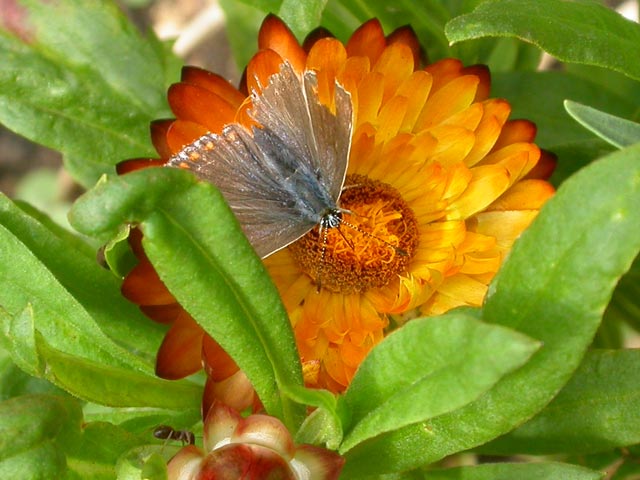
(324, 232)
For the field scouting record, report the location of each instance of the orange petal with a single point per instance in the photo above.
(263, 64)
(484, 77)
(524, 195)
(162, 313)
(416, 88)
(214, 83)
(275, 35)
(199, 105)
(182, 133)
(488, 130)
(159, 129)
(396, 64)
(327, 57)
(545, 166)
(236, 392)
(180, 352)
(143, 286)
(370, 92)
(516, 131)
(406, 36)
(217, 363)
(450, 99)
(367, 41)
(390, 118)
(314, 36)
(456, 291)
(505, 226)
(517, 158)
(137, 164)
(487, 183)
(444, 71)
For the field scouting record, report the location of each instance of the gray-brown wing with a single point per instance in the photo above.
(319, 138)
(273, 177)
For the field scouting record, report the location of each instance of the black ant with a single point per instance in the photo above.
(165, 432)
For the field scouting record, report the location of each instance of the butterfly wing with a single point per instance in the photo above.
(320, 139)
(280, 178)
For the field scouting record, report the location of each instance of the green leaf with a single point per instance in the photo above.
(429, 367)
(79, 78)
(521, 471)
(112, 386)
(578, 31)
(427, 18)
(142, 420)
(33, 430)
(218, 278)
(15, 382)
(301, 17)
(246, 19)
(118, 254)
(624, 306)
(95, 454)
(617, 131)
(596, 411)
(76, 304)
(142, 463)
(554, 288)
(324, 426)
(545, 107)
(126, 199)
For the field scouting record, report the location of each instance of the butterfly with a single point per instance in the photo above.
(283, 176)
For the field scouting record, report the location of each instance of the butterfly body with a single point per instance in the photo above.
(285, 175)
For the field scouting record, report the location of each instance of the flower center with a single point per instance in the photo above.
(374, 242)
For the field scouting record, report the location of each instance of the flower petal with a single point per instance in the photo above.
(367, 41)
(186, 464)
(219, 424)
(183, 132)
(214, 83)
(195, 104)
(143, 286)
(315, 463)
(265, 431)
(218, 364)
(275, 35)
(179, 353)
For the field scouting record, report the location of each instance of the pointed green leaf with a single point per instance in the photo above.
(619, 132)
(554, 125)
(520, 471)
(78, 77)
(33, 431)
(554, 287)
(577, 31)
(76, 303)
(596, 411)
(113, 386)
(302, 17)
(197, 247)
(429, 367)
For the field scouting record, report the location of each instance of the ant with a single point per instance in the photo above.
(165, 432)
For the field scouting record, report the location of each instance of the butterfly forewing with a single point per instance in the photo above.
(331, 146)
(281, 178)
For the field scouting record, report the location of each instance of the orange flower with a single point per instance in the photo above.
(440, 184)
